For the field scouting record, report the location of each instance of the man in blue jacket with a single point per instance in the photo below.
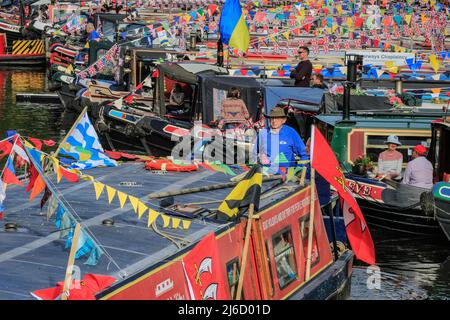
(279, 145)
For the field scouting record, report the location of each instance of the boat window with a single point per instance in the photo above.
(233, 277)
(376, 144)
(304, 231)
(283, 249)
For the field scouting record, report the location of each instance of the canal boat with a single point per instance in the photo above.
(440, 156)
(386, 204)
(145, 257)
(24, 53)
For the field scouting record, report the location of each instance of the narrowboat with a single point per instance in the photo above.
(24, 53)
(146, 257)
(440, 156)
(387, 204)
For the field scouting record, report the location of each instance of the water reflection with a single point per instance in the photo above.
(411, 268)
(29, 119)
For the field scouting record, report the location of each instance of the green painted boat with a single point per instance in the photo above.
(386, 204)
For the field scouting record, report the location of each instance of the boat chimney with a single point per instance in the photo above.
(220, 53)
(354, 64)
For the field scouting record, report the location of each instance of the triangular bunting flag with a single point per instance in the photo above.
(122, 198)
(166, 220)
(134, 202)
(176, 223)
(111, 193)
(141, 209)
(38, 187)
(152, 215)
(98, 186)
(186, 224)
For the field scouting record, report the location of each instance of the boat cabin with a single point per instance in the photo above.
(439, 153)
(366, 134)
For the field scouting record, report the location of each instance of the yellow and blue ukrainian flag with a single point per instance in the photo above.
(232, 26)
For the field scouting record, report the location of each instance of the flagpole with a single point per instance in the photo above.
(311, 223)
(69, 269)
(70, 132)
(245, 251)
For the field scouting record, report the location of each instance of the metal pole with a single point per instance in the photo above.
(346, 101)
(333, 230)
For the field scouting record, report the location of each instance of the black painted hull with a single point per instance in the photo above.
(443, 216)
(22, 60)
(405, 220)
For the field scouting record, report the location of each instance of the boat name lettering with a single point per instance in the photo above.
(286, 213)
(360, 189)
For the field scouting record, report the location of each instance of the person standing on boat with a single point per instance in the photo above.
(390, 161)
(279, 145)
(419, 171)
(302, 72)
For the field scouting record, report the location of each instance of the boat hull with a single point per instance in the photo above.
(443, 216)
(411, 221)
(396, 207)
(31, 60)
(333, 283)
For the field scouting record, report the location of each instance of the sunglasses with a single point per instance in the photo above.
(302, 52)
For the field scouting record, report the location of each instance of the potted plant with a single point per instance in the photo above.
(362, 164)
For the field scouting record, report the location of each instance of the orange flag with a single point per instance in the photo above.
(38, 187)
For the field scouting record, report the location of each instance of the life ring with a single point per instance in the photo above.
(168, 165)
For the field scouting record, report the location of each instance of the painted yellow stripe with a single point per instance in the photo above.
(28, 47)
(20, 47)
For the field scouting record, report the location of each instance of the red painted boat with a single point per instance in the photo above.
(25, 53)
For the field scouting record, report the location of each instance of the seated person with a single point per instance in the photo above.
(419, 171)
(234, 111)
(176, 99)
(317, 81)
(279, 145)
(390, 161)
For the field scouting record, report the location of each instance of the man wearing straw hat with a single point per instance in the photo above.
(279, 144)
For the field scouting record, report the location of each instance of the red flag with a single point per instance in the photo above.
(70, 176)
(326, 164)
(37, 143)
(203, 273)
(49, 143)
(33, 176)
(86, 289)
(5, 147)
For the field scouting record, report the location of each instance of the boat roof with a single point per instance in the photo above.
(392, 121)
(34, 257)
(187, 72)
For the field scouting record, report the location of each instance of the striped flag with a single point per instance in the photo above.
(247, 191)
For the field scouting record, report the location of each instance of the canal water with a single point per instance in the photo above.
(407, 267)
